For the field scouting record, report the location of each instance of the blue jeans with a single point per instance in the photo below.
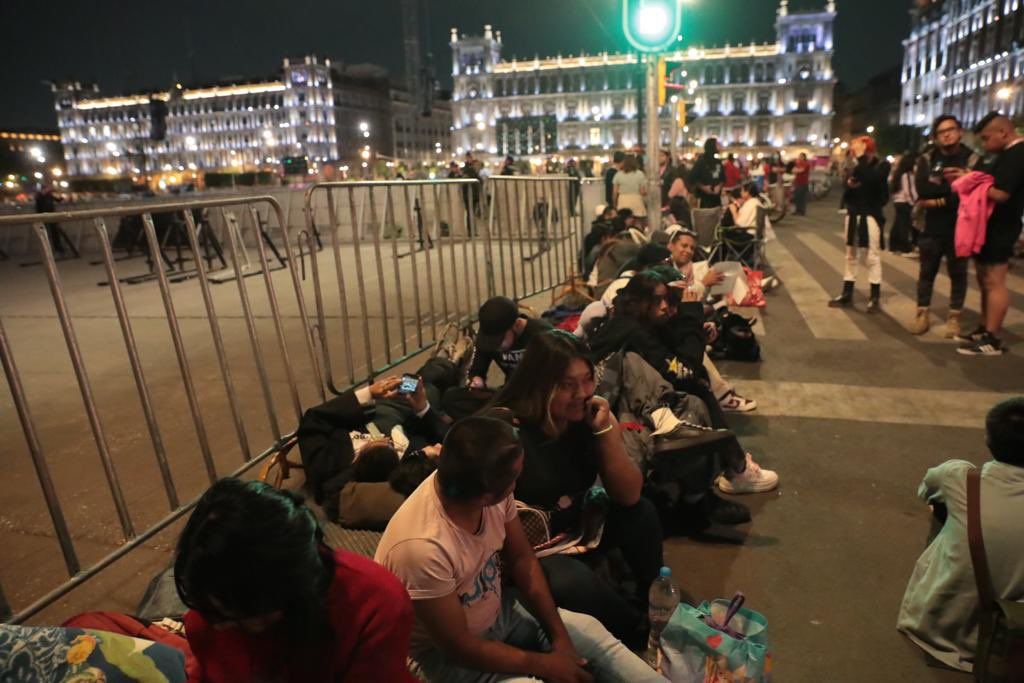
(607, 659)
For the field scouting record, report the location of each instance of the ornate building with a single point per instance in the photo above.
(751, 97)
(963, 57)
(314, 110)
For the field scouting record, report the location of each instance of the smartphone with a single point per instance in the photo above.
(409, 385)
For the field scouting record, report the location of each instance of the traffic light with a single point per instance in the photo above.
(661, 82)
(652, 25)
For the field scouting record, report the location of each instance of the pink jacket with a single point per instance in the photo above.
(975, 210)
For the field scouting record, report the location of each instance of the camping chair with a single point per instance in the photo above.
(705, 224)
(736, 244)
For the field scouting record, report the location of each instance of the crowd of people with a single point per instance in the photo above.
(523, 517)
(950, 203)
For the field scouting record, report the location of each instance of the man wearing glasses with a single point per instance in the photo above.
(945, 161)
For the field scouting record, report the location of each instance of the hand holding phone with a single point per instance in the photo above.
(599, 413)
(409, 384)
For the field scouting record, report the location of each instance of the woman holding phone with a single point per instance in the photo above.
(570, 438)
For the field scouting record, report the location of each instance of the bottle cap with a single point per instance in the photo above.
(666, 571)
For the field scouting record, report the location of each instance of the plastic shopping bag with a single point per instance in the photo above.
(718, 642)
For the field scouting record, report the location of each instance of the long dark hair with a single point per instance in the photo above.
(635, 299)
(249, 550)
(529, 391)
(906, 165)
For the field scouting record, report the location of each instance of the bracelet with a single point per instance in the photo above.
(605, 430)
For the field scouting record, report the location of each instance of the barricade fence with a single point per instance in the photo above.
(218, 322)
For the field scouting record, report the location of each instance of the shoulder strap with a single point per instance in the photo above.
(976, 542)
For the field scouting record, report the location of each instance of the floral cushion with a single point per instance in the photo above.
(73, 655)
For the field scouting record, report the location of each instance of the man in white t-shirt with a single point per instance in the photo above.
(451, 543)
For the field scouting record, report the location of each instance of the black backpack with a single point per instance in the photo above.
(736, 339)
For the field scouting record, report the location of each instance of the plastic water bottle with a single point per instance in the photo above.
(663, 600)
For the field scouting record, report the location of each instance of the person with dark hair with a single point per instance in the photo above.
(600, 228)
(941, 608)
(945, 161)
(332, 436)
(571, 442)
(903, 188)
(618, 159)
(801, 184)
(509, 167)
(453, 544)
(708, 177)
(672, 342)
(867, 193)
(269, 601)
(998, 136)
(646, 256)
(502, 337)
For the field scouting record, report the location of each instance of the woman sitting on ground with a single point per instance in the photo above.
(270, 602)
(551, 394)
(664, 325)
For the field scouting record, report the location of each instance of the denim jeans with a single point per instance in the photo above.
(607, 659)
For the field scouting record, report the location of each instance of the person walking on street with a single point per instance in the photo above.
(867, 193)
(573, 172)
(801, 184)
(937, 168)
(998, 136)
(46, 202)
(903, 187)
(708, 177)
(609, 177)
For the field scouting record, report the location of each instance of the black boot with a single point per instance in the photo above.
(875, 303)
(845, 299)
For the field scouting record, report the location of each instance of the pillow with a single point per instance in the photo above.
(75, 655)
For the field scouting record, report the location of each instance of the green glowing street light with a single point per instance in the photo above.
(652, 25)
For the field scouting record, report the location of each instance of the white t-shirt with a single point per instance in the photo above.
(433, 557)
(630, 183)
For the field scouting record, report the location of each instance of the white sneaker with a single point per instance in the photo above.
(754, 479)
(734, 403)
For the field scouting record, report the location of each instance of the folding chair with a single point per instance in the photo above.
(737, 244)
(705, 224)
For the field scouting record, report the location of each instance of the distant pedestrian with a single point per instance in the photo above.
(609, 175)
(867, 193)
(510, 166)
(903, 187)
(708, 177)
(801, 184)
(46, 202)
(630, 186)
(573, 172)
(733, 174)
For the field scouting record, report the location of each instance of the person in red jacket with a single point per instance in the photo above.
(270, 602)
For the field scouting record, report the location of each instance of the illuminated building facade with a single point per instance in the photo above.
(963, 57)
(751, 97)
(29, 156)
(314, 110)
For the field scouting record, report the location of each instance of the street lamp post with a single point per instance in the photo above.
(651, 26)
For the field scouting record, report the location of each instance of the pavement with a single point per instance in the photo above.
(853, 410)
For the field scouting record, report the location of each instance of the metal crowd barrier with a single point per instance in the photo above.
(401, 261)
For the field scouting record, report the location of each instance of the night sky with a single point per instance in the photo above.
(142, 44)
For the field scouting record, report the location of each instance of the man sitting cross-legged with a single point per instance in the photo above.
(450, 544)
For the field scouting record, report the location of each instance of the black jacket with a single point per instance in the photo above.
(931, 184)
(678, 361)
(326, 447)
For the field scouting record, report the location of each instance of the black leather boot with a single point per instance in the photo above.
(875, 303)
(845, 299)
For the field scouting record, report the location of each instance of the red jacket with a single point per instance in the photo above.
(371, 616)
(732, 174)
(975, 210)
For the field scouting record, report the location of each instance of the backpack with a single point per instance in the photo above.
(736, 339)
(114, 622)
